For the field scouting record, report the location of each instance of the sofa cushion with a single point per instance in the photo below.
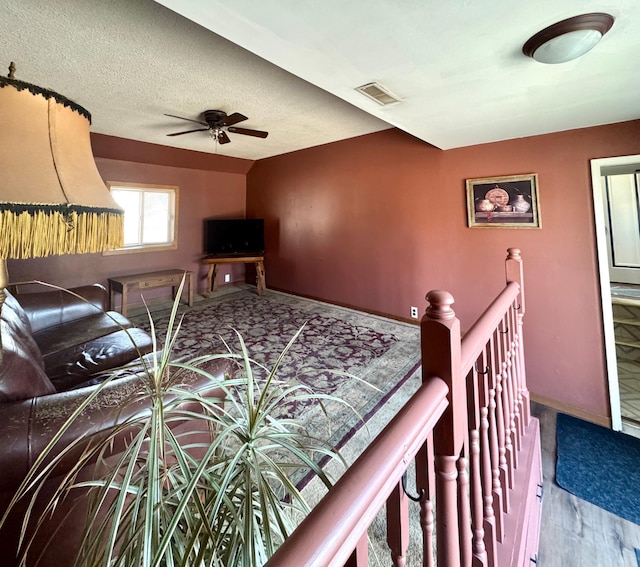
(18, 316)
(61, 337)
(59, 307)
(74, 365)
(21, 369)
(17, 320)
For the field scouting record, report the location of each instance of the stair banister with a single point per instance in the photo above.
(469, 430)
(333, 529)
(475, 338)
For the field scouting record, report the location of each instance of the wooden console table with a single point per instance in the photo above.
(164, 278)
(214, 262)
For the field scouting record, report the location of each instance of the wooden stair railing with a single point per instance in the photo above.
(476, 450)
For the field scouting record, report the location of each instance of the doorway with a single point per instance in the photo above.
(605, 225)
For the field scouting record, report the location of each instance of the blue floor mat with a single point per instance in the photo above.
(600, 466)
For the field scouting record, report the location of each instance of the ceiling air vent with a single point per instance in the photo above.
(379, 93)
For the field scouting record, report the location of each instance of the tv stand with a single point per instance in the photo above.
(215, 261)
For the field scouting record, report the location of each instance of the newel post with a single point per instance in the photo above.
(441, 352)
(514, 272)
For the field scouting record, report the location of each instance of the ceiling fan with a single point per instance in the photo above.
(218, 123)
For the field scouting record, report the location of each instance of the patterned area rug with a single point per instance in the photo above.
(381, 352)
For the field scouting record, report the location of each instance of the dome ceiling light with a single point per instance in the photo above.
(568, 39)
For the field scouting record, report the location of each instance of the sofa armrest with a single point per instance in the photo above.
(29, 425)
(51, 308)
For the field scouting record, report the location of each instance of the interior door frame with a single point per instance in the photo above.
(605, 286)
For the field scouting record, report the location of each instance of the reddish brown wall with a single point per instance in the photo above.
(203, 192)
(377, 221)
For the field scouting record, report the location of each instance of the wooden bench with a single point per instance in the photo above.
(149, 280)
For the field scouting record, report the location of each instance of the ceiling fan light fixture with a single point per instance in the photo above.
(217, 123)
(568, 39)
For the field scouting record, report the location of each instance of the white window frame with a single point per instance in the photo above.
(172, 243)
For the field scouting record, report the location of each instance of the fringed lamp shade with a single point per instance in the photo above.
(52, 198)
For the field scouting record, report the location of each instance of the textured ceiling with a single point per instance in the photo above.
(131, 61)
(457, 65)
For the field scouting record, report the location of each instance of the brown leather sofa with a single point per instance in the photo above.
(75, 334)
(56, 348)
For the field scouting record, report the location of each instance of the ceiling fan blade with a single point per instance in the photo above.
(248, 132)
(188, 132)
(188, 119)
(233, 119)
(223, 138)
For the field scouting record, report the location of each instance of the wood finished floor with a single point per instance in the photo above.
(575, 533)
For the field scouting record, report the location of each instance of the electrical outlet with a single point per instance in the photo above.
(414, 312)
(227, 278)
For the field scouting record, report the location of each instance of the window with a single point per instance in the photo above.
(150, 216)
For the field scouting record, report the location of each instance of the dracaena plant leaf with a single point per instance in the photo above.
(166, 498)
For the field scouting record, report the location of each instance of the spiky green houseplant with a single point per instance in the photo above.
(169, 498)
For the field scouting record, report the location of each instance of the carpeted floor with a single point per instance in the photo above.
(599, 465)
(381, 352)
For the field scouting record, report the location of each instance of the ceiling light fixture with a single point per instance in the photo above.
(568, 39)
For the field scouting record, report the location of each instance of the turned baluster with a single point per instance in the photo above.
(489, 519)
(425, 486)
(494, 452)
(514, 370)
(464, 509)
(477, 520)
(447, 530)
(514, 273)
(515, 378)
(499, 418)
(506, 408)
(508, 387)
(494, 445)
(360, 555)
(398, 525)
(517, 368)
(492, 507)
(518, 365)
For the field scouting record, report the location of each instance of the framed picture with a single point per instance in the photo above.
(510, 201)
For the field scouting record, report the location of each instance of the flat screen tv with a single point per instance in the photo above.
(234, 237)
